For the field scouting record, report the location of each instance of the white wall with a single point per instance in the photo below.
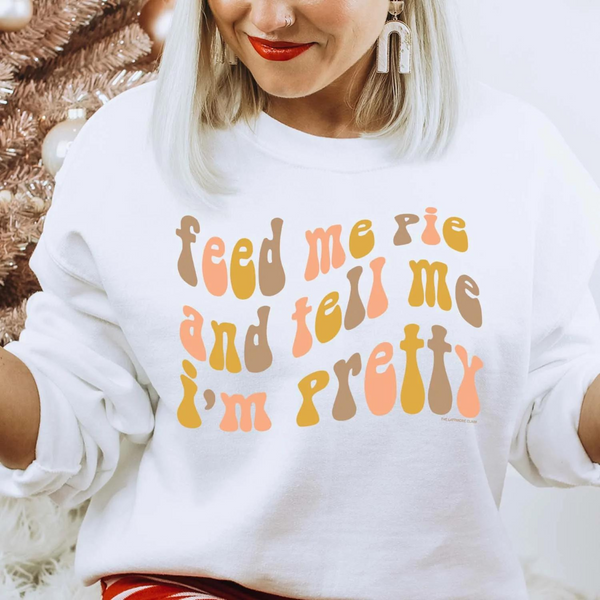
(548, 52)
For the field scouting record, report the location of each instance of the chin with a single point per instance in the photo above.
(286, 89)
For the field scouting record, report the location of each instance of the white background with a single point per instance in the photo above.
(548, 52)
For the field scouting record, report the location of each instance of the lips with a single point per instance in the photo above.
(278, 50)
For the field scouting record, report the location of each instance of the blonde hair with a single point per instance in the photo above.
(195, 94)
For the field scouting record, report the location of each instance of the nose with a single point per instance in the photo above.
(269, 15)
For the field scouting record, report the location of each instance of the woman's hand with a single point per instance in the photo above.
(589, 422)
(19, 412)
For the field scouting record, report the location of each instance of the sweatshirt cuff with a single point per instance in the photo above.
(59, 445)
(553, 441)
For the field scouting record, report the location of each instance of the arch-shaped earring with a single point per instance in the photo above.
(383, 44)
(224, 51)
(232, 59)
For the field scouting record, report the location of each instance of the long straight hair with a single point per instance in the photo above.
(197, 94)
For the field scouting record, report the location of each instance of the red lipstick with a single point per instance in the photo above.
(278, 50)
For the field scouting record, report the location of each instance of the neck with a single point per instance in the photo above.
(330, 111)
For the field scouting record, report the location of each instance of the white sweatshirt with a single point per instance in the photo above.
(314, 420)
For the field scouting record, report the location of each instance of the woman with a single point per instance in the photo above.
(301, 310)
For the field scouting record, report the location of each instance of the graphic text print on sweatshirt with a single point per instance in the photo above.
(260, 271)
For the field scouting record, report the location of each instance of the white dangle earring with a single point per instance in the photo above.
(394, 25)
(232, 59)
(225, 52)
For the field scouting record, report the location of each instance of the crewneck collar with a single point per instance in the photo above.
(304, 149)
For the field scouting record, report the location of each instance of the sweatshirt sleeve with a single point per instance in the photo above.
(92, 391)
(565, 333)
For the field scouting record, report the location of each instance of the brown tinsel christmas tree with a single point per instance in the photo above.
(60, 60)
